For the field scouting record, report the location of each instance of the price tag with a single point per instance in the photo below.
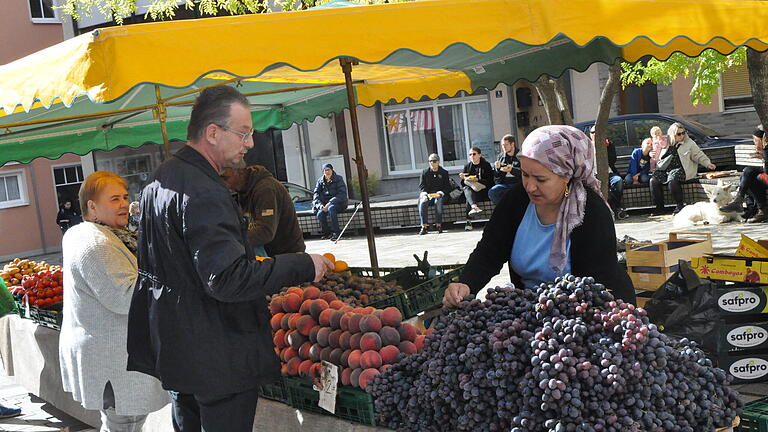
(329, 378)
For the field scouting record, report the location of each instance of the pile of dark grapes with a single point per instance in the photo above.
(567, 356)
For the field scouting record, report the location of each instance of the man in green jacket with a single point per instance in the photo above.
(272, 220)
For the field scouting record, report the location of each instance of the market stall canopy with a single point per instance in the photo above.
(406, 50)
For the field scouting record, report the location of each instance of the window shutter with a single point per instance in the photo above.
(736, 82)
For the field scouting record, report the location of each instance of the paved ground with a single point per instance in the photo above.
(395, 249)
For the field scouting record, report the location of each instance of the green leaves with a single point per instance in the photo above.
(704, 71)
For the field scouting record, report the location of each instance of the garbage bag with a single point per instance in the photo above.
(686, 306)
(7, 305)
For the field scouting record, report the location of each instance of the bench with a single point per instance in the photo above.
(745, 156)
(639, 196)
(393, 215)
(724, 157)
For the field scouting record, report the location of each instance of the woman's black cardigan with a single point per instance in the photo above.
(593, 245)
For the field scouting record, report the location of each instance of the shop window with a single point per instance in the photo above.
(13, 189)
(67, 180)
(447, 127)
(41, 11)
(136, 171)
(737, 94)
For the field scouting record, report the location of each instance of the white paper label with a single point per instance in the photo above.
(739, 301)
(329, 378)
(747, 336)
(749, 368)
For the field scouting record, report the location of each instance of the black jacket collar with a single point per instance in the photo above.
(193, 157)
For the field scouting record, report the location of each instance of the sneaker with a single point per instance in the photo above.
(468, 226)
(326, 236)
(474, 211)
(423, 230)
(736, 205)
(334, 237)
(7, 412)
(761, 216)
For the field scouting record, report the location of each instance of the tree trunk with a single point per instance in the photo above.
(546, 90)
(565, 110)
(601, 125)
(757, 64)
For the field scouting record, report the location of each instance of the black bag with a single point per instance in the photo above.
(456, 195)
(686, 306)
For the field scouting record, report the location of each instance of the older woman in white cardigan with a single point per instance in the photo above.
(99, 275)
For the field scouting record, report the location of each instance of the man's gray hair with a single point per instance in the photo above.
(433, 156)
(213, 106)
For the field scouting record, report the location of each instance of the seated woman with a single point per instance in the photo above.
(640, 164)
(329, 199)
(555, 222)
(100, 271)
(753, 183)
(677, 163)
(476, 180)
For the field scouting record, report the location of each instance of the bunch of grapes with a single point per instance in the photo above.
(567, 356)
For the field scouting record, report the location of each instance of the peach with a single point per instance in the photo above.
(313, 333)
(285, 337)
(407, 332)
(370, 323)
(354, 359)
(389, 354)
(336, 304)
(316, 307)
(322, 336)
(311, 292)
(335, 320)
(292, 303)
(370, 359)
(355, 377)
(333, 338)
(325, 354)
(295, 290)
(354, 340)
(275, 320)
(419, 342)
(305, 324)
(296, 340)
(384, 367)
(284, 369)
(289, 353)
(325, 317)
(276, 305)
(368, 310)
(344, 322)
(328, 296)
(279, 339)
(304, 309)
(344, 359)
(389, 336)
(377, 313)
(345, 376)
(284, 321)
(370, 342)
(304, 367)
(391, 316)
(293, 321)
(314, 371)
(407, 347)
(354, 323)
(304, 350)
(293, 366)
(344, 339)
(314, 352)
(367, 376)
(335, 356)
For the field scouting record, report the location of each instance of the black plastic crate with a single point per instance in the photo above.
(352, 404)
(754, 416)
(275, 391)
(428, 291)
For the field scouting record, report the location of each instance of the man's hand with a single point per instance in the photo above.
(322, 265)
(454, 294)
(652, 154)
(498, 164)
(711, 166)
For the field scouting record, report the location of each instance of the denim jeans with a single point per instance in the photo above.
(424, 209)
(331, 213)
(498, 191)
(750, 184)
(643, 178)
(196, 413)
(616, 190)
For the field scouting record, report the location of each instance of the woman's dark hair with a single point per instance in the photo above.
(213, 106)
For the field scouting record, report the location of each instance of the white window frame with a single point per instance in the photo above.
(64, 166)
(55, 20)
(23, 195)
(434, 104)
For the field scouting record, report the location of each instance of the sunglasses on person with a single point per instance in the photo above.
(680, 133)
(433, 160)
(472, 154)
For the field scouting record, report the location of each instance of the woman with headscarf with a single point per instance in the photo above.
(753, 183)
(555, 222)
(100, 271)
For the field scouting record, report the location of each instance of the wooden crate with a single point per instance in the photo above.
(650, 264)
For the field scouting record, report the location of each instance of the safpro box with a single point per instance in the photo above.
(746, 368)
(751, 248)
(742, 336)
(731, 268)
(742, 300)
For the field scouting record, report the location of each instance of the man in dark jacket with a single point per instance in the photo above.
(433, 186)
(198, 319)
(615, 180)
(272, 221)
(67, 216)
(329, 199)
(506, 169)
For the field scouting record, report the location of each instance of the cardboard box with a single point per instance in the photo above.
(650, 264)
(745, 368)
(731, 268)
(750, 248)
(742, 336)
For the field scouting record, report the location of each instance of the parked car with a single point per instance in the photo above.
(626, 132)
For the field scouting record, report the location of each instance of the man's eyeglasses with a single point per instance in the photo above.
(680, 133)
(243, 135)
(472, 154)
(433, 160)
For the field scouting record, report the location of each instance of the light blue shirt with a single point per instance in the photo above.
(530, 252)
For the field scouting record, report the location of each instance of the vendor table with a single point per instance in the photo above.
(30, 353)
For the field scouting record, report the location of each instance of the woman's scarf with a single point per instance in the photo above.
(129, 238)
(567, 152)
